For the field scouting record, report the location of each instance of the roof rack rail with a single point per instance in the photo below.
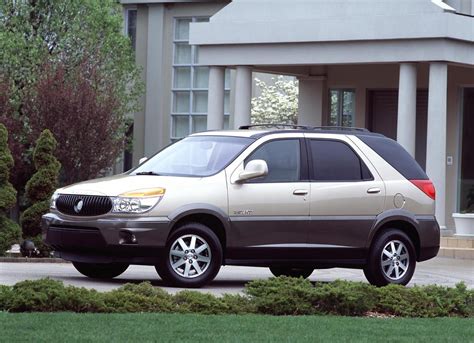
(348, 128)
(304, 127)
(293, 126)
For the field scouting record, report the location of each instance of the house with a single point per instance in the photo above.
(404, 68)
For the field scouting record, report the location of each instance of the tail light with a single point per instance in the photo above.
(426, 186)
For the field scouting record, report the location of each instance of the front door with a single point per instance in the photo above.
(346, 195)
(269, 215)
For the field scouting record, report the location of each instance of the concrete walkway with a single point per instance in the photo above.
(441, 271)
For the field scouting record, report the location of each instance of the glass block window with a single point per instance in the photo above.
(342, 110)
(190, 85)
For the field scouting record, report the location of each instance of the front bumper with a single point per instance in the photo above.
(106, 240)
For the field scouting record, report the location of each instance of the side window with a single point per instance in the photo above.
(336, 161)
(283, 160)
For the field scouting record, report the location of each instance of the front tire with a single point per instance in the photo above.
(291, 271)
(392, 259)
(193, 256)
(100, 270)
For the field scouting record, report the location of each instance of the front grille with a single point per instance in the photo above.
(92, 205)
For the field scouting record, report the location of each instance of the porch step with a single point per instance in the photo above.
(457, 247)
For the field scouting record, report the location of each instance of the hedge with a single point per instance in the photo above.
(275, 296)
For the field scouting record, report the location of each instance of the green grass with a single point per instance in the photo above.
(60, 327)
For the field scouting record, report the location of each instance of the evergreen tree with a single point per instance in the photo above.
(41, 186)
(9, 230)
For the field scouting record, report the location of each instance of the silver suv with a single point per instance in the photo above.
(291, 199)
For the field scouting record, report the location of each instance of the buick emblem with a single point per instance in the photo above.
(78, 206)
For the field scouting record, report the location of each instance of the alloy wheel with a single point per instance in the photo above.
(190, 256)
(395, 260)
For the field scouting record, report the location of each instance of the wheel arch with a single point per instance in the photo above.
(211, 216)
(397, 219)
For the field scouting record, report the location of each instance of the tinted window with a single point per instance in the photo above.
(336, 161)
(283, 160)
(396, 156)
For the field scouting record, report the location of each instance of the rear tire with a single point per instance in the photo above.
(392, 259)
(291, 271)
(193, 256)
(100, 270)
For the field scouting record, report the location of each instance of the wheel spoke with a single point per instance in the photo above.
(403, 257)
(201, 248)
(203, 259)
(196, 267)
(192, 245)
(178, 263)
(386, 263)
(403, 266)
(386, 253)
(400, 248)
(187, 268)
(390, 270)
(392, 246)
(178, 253)
(182, 244)
(397, 272)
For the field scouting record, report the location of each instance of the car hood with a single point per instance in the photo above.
(118, 184)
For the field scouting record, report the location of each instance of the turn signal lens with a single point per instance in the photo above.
(426, 186)
(144, 193)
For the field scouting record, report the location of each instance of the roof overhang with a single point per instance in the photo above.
(272, 32)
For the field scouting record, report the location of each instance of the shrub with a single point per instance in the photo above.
(276, 296)
(196, 302)
(9, 230)
(138, 298)
(41, 185)
(343, 298)
(281, 296)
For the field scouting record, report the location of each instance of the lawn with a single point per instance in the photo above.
(62, 327)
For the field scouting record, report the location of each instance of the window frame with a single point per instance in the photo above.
(340, 107)
(312, 176)
(304, 166)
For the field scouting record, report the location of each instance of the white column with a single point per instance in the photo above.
(436, 136)
(311, 92)
(406, 120)
(215, 111)
(243, 96)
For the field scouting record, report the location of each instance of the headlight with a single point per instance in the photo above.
(52, 203)
(139, 201)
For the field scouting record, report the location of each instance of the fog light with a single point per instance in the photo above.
(126, 237)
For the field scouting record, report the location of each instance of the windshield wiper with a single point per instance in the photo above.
(147, 173)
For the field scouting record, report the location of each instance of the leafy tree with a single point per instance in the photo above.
(277, 104)
(42, 184)
(9, 230)
(70, 41)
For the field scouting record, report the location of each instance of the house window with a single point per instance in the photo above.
(190, 85)
(342, 110)
(131, 26)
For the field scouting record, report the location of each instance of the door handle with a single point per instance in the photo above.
(373, 190)
(300, 192)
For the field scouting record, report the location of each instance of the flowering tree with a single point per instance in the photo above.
(277, 104)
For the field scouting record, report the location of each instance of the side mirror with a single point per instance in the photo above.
(253, 169)
(141, 160)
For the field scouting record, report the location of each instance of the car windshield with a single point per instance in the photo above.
(194, 156)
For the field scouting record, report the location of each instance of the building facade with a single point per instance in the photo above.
(404, 68)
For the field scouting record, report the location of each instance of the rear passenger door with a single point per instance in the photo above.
(346, 196)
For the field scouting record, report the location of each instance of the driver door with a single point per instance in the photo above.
(269, 215)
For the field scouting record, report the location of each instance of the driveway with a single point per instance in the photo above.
(441, 271)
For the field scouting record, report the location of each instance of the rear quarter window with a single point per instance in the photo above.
(396, 156)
